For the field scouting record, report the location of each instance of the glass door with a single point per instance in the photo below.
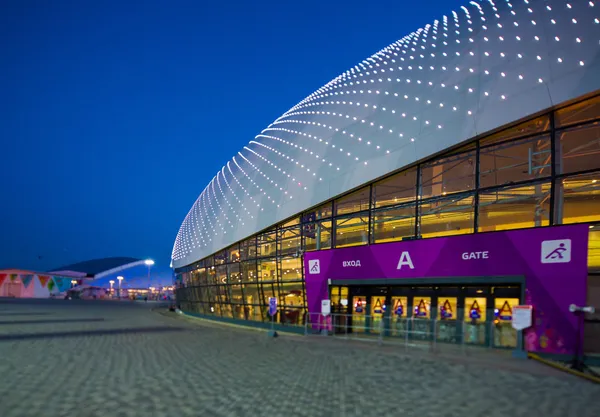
(377, 307)
(475, 320)
(421, 321)
(359, 313)
(448, 329)
(504, 334)
(398, 316)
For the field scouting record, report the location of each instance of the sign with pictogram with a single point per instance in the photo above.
(359, 306)
(325, 307)
(475, 311)
(421, 309)
(378, 308)
(446, 310)
(399, 308)
(505, 312)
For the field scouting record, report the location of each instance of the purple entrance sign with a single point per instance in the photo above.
(553, 261)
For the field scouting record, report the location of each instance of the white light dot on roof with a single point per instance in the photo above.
(386, 113)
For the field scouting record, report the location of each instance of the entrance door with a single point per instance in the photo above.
(398, 316)
(475, 320)
(504, 334)
(448, 324)
(359, 313)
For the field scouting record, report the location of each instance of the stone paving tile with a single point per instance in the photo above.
(171, 366)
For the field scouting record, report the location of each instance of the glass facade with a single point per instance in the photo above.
(542, 172)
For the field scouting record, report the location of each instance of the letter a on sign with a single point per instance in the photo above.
(405, 260)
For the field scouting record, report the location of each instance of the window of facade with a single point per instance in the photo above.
(514, 207)
(290, 241)
(212, 275)
(355, 202)
(397, 189)
(237, 294)
(221, 274)
(220, 258)
(530, 127)
(517, 161)
(322, 212)
(352, 231)
(393, 223)
(579, 149)
(578, 199)
(291, 269)
(267, 244)
(291, 294)
(446, 216)
(577, 113)
(235, 275)
(252, 294)
(448, 175)
(292, 222)
(248, 271)
(268, 270)
(233, 253)
(317, 235)
(248, 249)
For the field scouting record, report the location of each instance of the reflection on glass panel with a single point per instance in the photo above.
(355, 202)
(224, 295)
(538, 125)
(474, 319)
(323, 212)
(291, 294)
(234, 273)
(515, 161)
(515, 207)
(447, 216)
(352, 231)
(221, 274)
(394, 223)
(504, 334)
(317, 235)
(267, 291)
(578, 199)
(237, 294)
(579, 149)
(291, 316)
(594, 247)
(291, 269)
(226, 311)
(221, 257)
(202, 276)
(252, 294)
(290, 241)
(255, 313)
(399, 188)
(248, 249)
(448, 175)
(248, 271)
(234, 253)
(579, 112)
(238, 312)
(447, 326)
(268, 270)
(212, 275)
(267, 244)
(290, 222)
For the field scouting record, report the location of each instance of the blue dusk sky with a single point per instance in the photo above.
(115, 114)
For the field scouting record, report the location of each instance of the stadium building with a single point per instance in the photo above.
(451, 176)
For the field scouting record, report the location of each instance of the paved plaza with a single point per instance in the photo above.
(102, 358)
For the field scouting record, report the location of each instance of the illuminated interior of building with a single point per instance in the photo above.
(542, 172)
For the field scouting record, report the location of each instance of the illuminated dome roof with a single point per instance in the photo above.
(472, 71)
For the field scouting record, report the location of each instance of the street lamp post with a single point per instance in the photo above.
(149, 263)
(112, 282)
(120, 278)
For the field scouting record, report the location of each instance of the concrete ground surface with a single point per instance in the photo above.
(105, 358)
